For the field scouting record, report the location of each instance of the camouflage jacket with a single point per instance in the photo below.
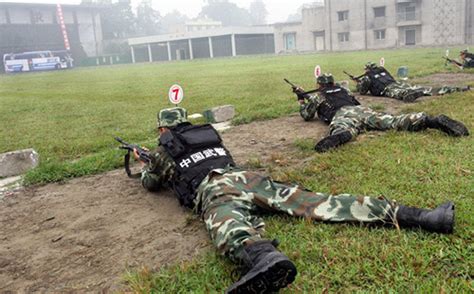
(159, 171)
(309, 108)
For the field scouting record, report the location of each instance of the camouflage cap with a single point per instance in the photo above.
(464, 51)
(171, 117)
(325, 79)
(370, 65)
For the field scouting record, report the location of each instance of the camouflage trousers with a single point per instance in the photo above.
(357, 119)
(232, 202)
(401, 90)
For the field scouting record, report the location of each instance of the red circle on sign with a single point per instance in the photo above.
(382, 61)
(176, 94)
(317, 71)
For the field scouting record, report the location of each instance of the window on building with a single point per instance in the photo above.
(3, 16)
(343, 37)
(379, 34)
(290, 41)
(343, 15)
(379, 11)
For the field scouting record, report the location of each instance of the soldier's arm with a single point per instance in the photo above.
(159, 171)
(363, 85)
(309, 107)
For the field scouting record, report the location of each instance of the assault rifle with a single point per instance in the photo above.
(295, 87)
(452, 61)
(142, 153)
(355, 79)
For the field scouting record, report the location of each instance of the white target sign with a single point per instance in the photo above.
(176, 94)
(382, 61)
(317, 71)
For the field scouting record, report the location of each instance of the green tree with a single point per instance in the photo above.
(118, 20)
(258, 12)
(226, 12)
(171, 20)
(148, 19)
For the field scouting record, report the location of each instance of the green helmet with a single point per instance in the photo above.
(370, 65)
(325, 79)
(171, 117)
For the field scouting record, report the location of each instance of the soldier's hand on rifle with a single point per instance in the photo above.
(137, 156)
(298, 90)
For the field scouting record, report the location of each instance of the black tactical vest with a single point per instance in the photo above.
(379, 79)
(469, 60)
(196, 150)
(335, 97)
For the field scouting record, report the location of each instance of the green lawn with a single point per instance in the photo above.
(70, 117)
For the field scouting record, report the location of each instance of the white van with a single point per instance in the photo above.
(31, 61)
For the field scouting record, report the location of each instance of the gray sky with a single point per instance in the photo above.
(278, 10)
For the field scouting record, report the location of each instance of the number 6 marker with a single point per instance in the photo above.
(176, 94)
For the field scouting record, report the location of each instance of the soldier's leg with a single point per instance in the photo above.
(296, 201)
(349, 208)
(447, 90)
(404, 92)
(373, 120)
(414, 122)
(230, 213)
(344, 126)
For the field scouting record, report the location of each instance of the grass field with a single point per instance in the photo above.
(71, 117)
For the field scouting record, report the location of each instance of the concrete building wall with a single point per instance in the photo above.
(313, 32)
(469, 25)
(3, 16)
(348, 26)
(376, 24)
(31, 27)
(284, 32)
(19, 15)
(90, 32)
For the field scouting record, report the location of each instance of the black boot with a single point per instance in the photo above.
(413, 95)
(440, 219)
(333, 141)
(269, 270)
(449, 126)
(467, 88)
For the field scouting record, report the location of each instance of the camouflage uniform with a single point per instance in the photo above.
(467, 59)
(400, 90)
(357, 119)
(231, 200)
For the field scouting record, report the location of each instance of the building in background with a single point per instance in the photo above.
(198, 24)
(375, 24)
(33, 27)
(210, 43)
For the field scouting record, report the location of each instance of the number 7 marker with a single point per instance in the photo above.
(176, 94)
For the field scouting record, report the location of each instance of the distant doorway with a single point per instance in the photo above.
(290, 41)
(410, 37)
(180, 54)
(319, 41)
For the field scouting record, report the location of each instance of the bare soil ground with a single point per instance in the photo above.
(83, 234)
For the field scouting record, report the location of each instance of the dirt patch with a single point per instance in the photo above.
(445, 79)
(83, 234)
